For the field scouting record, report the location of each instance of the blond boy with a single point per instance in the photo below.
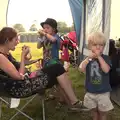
(97, 67)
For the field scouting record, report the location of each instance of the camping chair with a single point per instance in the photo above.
(14, 103)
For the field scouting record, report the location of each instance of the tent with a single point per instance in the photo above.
(88, 16)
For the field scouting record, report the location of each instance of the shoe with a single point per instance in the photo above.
(78, 106)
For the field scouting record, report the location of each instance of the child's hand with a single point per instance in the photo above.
(92, 55)
(98, 53)
(41, 32)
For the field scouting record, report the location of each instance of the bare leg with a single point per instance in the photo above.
(65, 84)
(95, 114)
(63, 96)
(102, 115)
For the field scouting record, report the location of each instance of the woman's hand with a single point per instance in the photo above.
(25, 51)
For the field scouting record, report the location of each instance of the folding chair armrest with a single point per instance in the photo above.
(32, 61)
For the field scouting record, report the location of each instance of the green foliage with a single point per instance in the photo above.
(19, 27)
(36, 53)
(33, 27)
(63, 28)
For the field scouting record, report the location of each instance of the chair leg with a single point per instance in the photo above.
(43, 108)
(20, 110)
(0, 109)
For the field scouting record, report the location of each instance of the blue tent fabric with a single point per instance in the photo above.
(76, 10)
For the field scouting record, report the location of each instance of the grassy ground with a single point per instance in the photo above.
(36, 53)
(52, 113)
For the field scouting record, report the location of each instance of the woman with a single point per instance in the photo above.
(15, 84)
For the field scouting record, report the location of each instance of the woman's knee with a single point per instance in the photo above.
(101, 113)
(63, 76)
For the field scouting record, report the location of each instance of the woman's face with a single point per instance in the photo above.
(13, 43)
(48, 29)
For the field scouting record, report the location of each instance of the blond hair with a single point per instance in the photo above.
(96, 38)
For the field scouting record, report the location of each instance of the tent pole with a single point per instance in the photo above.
(84, 29)
(7, 12)
(103, 15)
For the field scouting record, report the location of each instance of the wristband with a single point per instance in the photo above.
(22, 76)
(87, 61)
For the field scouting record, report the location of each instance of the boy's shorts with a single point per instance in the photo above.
(100, 101)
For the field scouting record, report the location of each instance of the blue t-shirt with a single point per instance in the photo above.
(51, 50)
(97, 81)
(56, 47)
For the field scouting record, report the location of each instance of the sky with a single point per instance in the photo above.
(28, 12)
(115, 19)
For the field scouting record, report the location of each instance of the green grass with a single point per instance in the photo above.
(36, 53)
(34, 109)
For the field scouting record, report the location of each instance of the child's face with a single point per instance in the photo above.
(48, 29)
(97, 48)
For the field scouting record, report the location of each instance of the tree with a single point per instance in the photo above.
(19, 27)
(63, 28)
(71, 28)
(33, 28)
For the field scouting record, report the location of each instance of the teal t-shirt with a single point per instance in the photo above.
(51, 51)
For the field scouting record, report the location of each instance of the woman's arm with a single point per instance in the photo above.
(22, 65)
(25, 51)
(9, 68)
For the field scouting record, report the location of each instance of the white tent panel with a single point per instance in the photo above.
(106, 29)
(3, 14)
(97, 18)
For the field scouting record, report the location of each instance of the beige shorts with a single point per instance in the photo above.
(100, 101)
